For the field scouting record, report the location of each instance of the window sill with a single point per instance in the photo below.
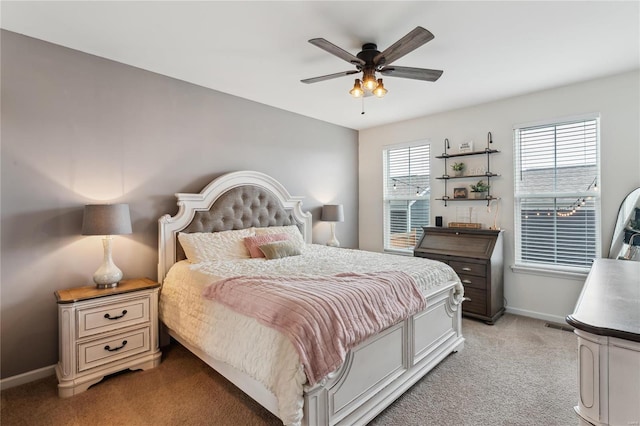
(550, 272)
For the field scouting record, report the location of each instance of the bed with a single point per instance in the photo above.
(260, 360)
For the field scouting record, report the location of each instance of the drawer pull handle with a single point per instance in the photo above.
(466, 281)
(109, 317)
(466, 269)
(108, 348)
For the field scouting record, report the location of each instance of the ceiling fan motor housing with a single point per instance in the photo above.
(369, 51)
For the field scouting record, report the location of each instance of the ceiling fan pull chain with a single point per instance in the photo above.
(362, 113)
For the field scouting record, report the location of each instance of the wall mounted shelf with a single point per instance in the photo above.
(446, 200)
(487, 175)
(464, 154)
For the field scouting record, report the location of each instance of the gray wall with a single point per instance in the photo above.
(78, 129)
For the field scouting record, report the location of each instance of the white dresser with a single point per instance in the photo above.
(607, 322)
(103, 331)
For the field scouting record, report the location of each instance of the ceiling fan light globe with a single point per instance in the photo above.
(369, 82)
(370, 85)
(380, 91)
(357, 91)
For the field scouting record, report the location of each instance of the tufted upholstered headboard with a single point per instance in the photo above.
(239, 208)
(236, 200)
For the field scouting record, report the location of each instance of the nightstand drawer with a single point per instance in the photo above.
(473, 282)
(479, 269)
(113, 316)
(99, 352)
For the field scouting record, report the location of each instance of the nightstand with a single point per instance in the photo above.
(103, 331)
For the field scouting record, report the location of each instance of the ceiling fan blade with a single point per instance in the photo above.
(329, 76)
(413, 73)
(416, 38)
(337, 51)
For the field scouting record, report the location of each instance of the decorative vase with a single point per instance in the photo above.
(479, 195)
(458, 172)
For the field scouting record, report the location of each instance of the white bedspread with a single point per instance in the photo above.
(259, 351)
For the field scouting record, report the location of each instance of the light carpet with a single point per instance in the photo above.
(517, 372)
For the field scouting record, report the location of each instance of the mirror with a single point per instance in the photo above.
(626, 235)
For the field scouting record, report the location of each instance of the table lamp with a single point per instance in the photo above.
(333, 213)
(106, 220)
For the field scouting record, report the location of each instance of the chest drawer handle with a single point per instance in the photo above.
(466, 269)
(109, 317)
(466, 281)
(108, 348)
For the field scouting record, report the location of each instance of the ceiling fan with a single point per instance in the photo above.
(371, 61)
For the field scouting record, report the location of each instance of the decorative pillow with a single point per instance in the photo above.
(291, 230)
(280, 249)
(253, 243)
(225, 245)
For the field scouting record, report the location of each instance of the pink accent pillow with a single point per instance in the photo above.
(253, 243)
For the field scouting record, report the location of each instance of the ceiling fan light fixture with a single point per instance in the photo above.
(357, 91)
(380, 91)
(369, 81)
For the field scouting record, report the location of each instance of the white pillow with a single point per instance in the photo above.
(206, 246)
(291, 230)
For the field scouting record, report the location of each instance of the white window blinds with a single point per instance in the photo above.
(406, 196)
(557, 201)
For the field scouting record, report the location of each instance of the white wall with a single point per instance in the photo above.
(616, 98)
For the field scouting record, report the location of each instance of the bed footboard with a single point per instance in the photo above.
(376, 372)
(380, 369)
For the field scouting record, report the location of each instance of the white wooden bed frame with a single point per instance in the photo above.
(377, 371)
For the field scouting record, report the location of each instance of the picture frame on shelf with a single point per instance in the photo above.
(465, 147)
(460, 193)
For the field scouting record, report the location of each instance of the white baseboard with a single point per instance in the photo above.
(29, 376)
(537, 315)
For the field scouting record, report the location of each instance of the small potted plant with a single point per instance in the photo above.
(479, 189)
(458, 168)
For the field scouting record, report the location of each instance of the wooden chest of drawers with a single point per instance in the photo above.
(103, 331)
(476, 256)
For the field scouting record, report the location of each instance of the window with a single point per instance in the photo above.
(557, 203)
(406, 196)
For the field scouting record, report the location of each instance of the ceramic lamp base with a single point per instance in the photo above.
(108, 274)
(333, 242)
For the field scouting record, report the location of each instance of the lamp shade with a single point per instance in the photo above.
(106, 219)
(332, 213)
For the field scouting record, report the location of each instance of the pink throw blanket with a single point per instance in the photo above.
(323, 316)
